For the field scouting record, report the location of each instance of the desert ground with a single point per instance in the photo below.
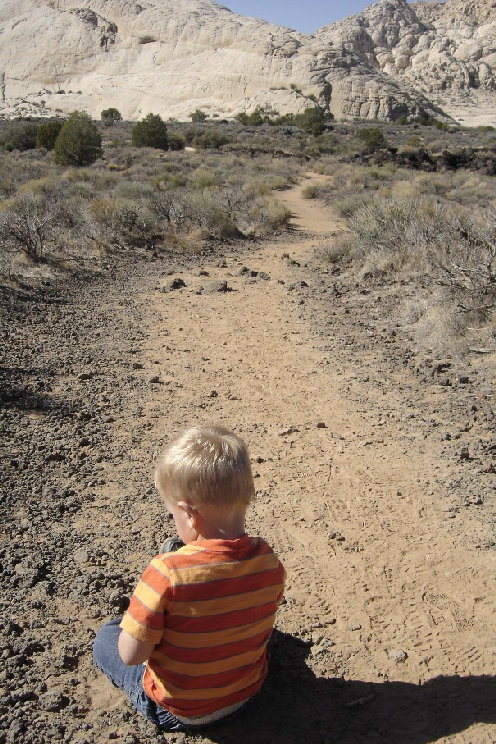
(375, 485)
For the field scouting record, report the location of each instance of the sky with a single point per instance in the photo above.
(302, 15)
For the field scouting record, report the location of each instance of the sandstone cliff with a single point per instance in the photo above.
(172, 56)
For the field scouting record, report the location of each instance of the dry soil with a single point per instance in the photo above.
(371, 488)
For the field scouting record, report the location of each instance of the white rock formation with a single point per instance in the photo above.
(173, 56)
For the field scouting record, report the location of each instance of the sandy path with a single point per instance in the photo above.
(377, 585)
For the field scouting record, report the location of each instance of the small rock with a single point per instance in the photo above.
(290, 430)
(219, 286)
(53, 701)
(156, 379)
(321, 425)
(397, 655)
(81, 556)
(176, 283)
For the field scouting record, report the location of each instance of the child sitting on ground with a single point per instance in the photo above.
(192, 647)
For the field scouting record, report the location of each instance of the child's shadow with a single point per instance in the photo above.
(295, 706)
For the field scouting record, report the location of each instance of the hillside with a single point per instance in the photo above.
(172, 56)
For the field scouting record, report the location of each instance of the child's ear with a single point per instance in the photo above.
(189, 509)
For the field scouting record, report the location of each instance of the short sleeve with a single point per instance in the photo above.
(145, 617)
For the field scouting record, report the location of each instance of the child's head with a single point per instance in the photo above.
(208, 467)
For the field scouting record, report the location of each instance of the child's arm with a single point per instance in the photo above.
(132, 651)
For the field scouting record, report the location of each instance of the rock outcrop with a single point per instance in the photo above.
(173, 56)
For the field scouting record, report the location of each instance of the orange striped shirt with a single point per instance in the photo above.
(209, 608)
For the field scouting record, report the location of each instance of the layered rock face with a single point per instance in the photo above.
(173, 56)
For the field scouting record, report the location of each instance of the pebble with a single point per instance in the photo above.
(176, 283)
(397, 655)
(218, 286)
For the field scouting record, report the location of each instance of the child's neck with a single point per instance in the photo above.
(224, 527)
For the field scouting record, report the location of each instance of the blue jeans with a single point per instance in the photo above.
(130, 678)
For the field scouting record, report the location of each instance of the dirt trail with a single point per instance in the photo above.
(377, 585)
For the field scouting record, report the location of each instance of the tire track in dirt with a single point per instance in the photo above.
(375, 581)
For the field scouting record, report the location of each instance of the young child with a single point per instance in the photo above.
(192, 646)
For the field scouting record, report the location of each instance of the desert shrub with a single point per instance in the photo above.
(431, 121)
(204, 179)
(19, 135)
(79, 142)
(25, 224)
(264, 216)
(371, 137)
(82, 190)
(198, 116)
(47, 134)
(105, 180)
(458, 245)
(136, 190)
(284, 120)
(32, 222)
(414, 141)
(349, 206)
(208, 210)
(150, 132)
(170, 180)
(176, 142)
(311, 191)
(325, 144)
(125, 221)
(211, 140)
(110, 116)
(263, 185)
(338, 248)
(311, 120)
(255, 119)
(454, 250)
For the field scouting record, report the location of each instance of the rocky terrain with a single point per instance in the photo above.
(173, 56)
(374, 462)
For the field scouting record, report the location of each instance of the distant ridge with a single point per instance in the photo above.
(173, 56)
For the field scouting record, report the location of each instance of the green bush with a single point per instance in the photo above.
(78, 142)
(211, 140)
(431, 121)
(255, 119)
(176, 142)
(110, 116)
(150, 132)
(284, 120)
(198, 116)
(47, 134)
(20, 135)
(311, 120)
(371, 137)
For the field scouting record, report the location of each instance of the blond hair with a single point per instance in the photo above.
(206, 465)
